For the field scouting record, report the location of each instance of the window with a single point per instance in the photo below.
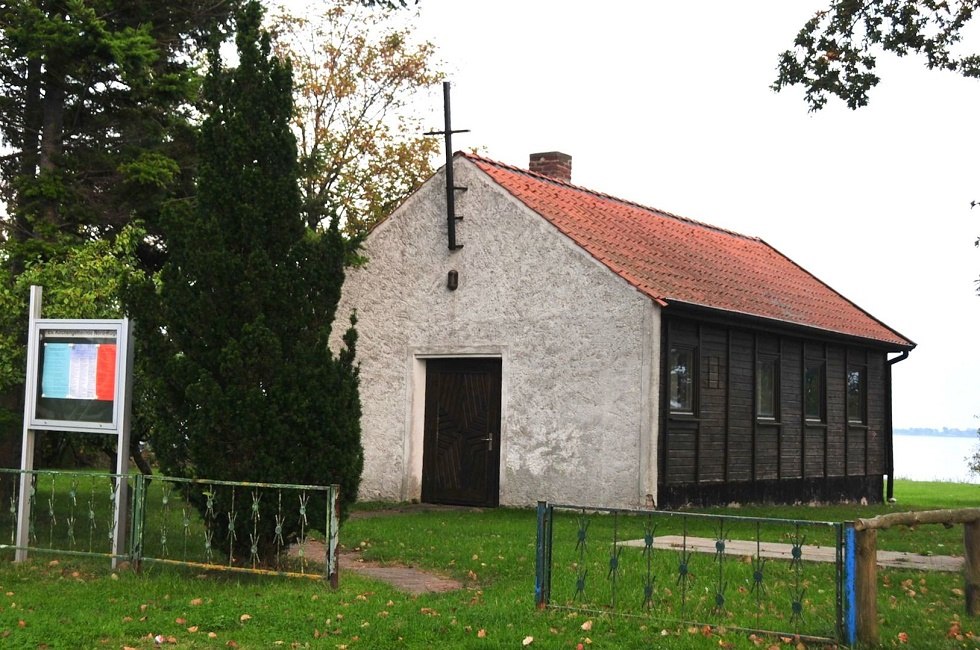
(767, 387)
(813, 391)
(681, 367)
(856, 392)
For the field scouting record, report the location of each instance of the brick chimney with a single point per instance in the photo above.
(555, 164)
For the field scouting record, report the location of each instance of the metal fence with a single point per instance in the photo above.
(264, 528)
(772, 576)
(72, 513)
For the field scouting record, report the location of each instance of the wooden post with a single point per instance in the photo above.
(867, 586)
(971, 566)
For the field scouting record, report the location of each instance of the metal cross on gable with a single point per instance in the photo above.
(451, 188)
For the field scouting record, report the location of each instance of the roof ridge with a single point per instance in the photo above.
(603, 195)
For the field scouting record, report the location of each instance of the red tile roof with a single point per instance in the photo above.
(676, 260)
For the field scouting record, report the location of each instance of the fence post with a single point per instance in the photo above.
(333, 537)
(971, 566)
(849, 623)
(542, 573)
(866, 579)
(136, 525)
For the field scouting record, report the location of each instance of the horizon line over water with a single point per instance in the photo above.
(935, 458)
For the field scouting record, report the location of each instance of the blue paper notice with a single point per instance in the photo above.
(54, 374)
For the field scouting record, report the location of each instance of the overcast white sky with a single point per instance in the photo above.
(668, 104)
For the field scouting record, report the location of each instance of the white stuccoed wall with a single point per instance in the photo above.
(579, 348)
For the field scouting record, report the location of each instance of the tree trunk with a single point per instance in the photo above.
(52, 127)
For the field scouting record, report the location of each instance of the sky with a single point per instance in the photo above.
(668, 104)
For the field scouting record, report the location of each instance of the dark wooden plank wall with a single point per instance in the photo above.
(740, 389)
(815, 433)
(791, 410)
(714, 406)
(723, 442)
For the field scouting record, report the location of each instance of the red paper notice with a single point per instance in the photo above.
(105, 373)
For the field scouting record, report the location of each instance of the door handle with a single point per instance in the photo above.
(489, 441)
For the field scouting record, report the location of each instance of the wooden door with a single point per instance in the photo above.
(461, 451)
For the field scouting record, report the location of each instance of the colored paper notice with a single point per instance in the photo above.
(81, 371)
(54, 373)
(105, 373)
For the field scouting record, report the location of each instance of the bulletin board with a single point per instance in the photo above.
(80, 375)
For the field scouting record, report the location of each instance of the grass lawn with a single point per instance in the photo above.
(59, 602)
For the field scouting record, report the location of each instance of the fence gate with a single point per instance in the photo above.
(772, 576)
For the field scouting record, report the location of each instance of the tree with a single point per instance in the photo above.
(361, 149)
(241, 383)
(95, 109)
(835, 53)
(96, 133)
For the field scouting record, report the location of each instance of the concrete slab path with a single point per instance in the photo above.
(893, 559)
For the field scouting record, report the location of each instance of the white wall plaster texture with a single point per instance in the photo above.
(572, 336)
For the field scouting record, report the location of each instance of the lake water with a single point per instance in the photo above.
(935, 458)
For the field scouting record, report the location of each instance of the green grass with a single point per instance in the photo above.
(55, 602)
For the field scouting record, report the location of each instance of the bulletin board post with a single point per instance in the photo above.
(79, 378)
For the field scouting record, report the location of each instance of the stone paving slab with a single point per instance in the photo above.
(407, 579)
(810, 553)
(404, 578)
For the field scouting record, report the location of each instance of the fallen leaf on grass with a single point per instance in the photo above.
(481, 633)
(192, 629)
(231, 644)
(245, 617)
(528, 640)
(587, 626)
(903, 637)
(954, 631)
(180, 621)
(212, 635)
(197, 601)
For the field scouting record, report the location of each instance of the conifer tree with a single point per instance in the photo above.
(242, 383)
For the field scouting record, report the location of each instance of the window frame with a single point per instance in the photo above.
(770, 362)
(861, 371)
(690, 408)
(820, 366)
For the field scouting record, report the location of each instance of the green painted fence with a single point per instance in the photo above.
(263, 528)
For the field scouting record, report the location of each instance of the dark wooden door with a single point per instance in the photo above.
(461, 452)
